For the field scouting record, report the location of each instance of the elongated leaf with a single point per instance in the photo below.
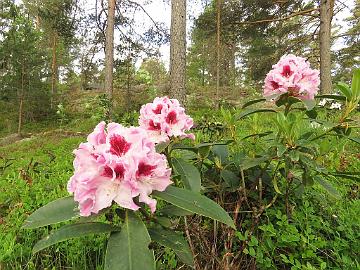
(275, 185)
(248, 112)
(190, 175)
(327, 186)
(222, 152)
(230, 178)
(355, 83)
(172, 210)
(254, 101)
(357, 140)
(184, 147)
(345, 89)
(309, 104)
(72, 231)
(248, 163)
(129, 248)
(258, 135)
(196, 203)
(161, 147)
(173, 240)
(54, 212)
(335, 97)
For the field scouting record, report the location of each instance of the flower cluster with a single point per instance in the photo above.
(294, 76)
(117, 164)
(165, 118)
(334, 105)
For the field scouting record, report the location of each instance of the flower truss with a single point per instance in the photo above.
(165, 118)
(294, 76)
(117, 164)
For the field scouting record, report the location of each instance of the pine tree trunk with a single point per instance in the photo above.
(178, 50)
(218, 45)
(326, 7)
(109, 55)
(53, 71)
(21, 100)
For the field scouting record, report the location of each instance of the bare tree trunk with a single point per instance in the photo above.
(21, 102)
(53, 71)
(128, 83)
(178, 50)
(218, 44)
(109, 55)
(326, 12)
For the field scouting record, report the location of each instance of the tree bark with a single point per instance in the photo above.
(109, 55)
(326, 12)
(21, 100)
(54, 71)
(178, 51)
(218, 44)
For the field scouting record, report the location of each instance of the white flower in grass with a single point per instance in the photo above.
(335, 105)
(315, 125)
(322, 102)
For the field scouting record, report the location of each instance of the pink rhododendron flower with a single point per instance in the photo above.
(117, 164)
(292, 75)
(164, 118)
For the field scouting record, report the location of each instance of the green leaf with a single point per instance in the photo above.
(309, 104)
(281, 149)
(294, 155)
(263, 134)
(230, 178)
(276, 187)
(196, 203)
(129, 248)
(345, 89)
(335, 97)
(161, 146)
(164, 221)
(173, 240)
(355, 83)
(248, 112)
(54, 212)
(248, 163)
(326, 185)
(357, 140)
(204, 151)
(190, 175)
(72, 231)
(222, 152)
(172, 210)
(251, 102)
(312, 114)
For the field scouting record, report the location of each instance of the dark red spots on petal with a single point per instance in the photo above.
(154, 126)
(275, 85)
(118, 145)
(144, 169)
(108, 172)
(171, 118)
(119, 171)
(158, 109)
(286, 71)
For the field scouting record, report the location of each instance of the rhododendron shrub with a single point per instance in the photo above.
(117, 164)
(292, 75)
(119, 171)
(292, 146)
(164, 118)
